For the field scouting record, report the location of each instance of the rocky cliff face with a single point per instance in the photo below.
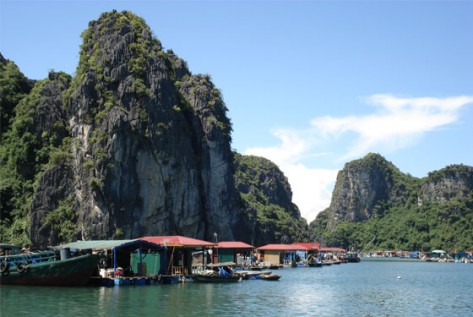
(451, 182)
(134, 144)
(368, 187)
(263, 179)
(151, 143)
(267, 202)
(360, 187)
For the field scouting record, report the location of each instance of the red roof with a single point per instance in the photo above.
(234, 245)
(332, 250)
(281, 247)
(177, 241)
(309, 245)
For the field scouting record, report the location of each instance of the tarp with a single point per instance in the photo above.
(178, 241)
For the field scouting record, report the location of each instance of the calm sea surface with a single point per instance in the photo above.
(369, 288)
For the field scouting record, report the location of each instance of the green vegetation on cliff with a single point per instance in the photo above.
(14, 86)
(135, 144)
(266, 191)
(37, 138)
(411, 214)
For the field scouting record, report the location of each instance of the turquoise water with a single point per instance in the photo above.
(355, 289)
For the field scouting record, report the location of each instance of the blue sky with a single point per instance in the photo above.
(310, 85)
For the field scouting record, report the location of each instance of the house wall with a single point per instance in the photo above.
(151, 263)
(226, 255)
(272, 256)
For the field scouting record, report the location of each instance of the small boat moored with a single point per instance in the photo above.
(314, 261)
(270, 277)
(217, 273)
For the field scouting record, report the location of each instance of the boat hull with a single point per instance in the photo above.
(270, 277)
(74, 271)
(215, 279)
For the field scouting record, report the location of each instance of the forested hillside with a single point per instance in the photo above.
(372, 199)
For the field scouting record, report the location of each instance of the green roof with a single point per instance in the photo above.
(106, 244)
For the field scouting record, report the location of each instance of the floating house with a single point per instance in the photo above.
(177, 256)
(311, 247)
(233, 251)
(332, 255)
(283, 254)
(121, 262)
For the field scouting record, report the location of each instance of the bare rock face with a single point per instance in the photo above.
(142, 147)
(359, 187)
(368, 187)
(54, 186)
(451, 182)
(151, 142)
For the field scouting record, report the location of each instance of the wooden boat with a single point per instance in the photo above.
(314, 262)
(44, 268)
(217, 273)
(352, 257)
(251, 275)
(169, 279)
(270, 277)
(200, 278)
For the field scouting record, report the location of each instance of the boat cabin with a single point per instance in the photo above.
(9, 249)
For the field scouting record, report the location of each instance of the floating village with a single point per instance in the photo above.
(178, 259)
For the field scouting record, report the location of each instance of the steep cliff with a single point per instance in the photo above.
(154, 158)
(267, 199)
(14, 86)
(32, 145)
(372, 198)
(365, 187)
(134, 144)
(143, 144)
(451, 182)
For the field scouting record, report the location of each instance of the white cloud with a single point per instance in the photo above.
(399, 122)
(312, 188)
(395, 123)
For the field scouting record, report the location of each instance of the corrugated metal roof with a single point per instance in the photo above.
(332, 250)
(234, 245)
(95, 244)
(177, 241)
(108, 244)
(281, 247)
(309, 245)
